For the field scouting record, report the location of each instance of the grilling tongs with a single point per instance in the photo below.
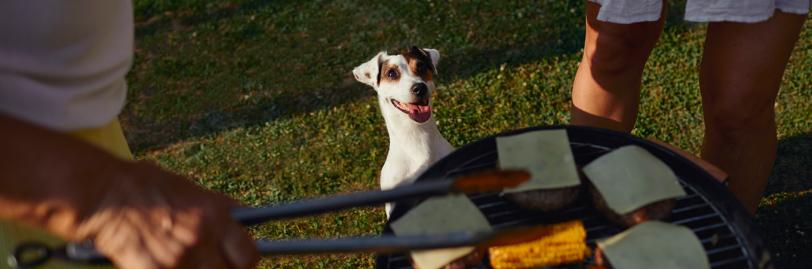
(32, 254)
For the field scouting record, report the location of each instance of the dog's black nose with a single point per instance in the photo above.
(420, 89)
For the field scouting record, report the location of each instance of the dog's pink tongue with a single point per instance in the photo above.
(419, 113)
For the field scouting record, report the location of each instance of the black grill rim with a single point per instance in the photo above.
(703, 184)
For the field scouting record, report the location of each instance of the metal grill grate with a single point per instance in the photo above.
(725, 243)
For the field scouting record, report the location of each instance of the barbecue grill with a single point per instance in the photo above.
(728, 235)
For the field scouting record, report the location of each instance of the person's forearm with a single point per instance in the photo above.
(48, 179)
(135, 213)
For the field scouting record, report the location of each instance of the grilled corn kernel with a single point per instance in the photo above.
(565, 243)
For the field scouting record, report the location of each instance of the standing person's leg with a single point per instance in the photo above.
(606, 90)
(742, 66)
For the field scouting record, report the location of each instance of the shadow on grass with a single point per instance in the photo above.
(460, 61)
(153, 17)
(785, 214)
(793, 166)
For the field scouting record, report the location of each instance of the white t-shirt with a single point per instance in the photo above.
(63, 62)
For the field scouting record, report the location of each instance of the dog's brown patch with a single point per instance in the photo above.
(419, 63)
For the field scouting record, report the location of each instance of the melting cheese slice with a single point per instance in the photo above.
(654, 244)
(437, 216)
(630, 177)
(545, 154)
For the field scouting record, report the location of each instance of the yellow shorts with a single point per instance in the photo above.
(109, 137)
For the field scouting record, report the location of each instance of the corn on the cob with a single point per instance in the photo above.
(565, 243)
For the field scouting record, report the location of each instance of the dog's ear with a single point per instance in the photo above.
(367, 73)
(435, 57)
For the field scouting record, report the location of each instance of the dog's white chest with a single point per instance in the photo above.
(404, 162)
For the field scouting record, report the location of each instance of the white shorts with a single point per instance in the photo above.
(632, 11)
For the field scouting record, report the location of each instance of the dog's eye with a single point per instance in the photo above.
(392, 74)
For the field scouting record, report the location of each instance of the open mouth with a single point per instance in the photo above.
(419, 112)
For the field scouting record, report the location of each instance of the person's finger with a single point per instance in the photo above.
(123, 245)
(156, 224)
(206, 254)
(238, 247)
(135, 258)
(187, 226)
(163, 247)
(215, 261)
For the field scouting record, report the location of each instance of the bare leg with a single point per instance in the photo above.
(606, 90)
(741, 70)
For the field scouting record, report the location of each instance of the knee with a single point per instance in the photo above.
(728, 119)
(621, 50)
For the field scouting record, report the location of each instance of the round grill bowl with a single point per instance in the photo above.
(728, 234)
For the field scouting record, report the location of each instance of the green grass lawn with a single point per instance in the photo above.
(255, 99)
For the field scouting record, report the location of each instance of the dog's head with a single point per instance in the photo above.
(404, 81)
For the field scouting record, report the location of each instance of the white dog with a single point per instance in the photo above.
(404, 85)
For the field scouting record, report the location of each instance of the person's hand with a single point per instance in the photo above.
(149, 218)
(136, 214)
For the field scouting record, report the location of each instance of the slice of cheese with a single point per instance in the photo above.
(630, 177)
(654, 244)
(545, 154)
(437, 216)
